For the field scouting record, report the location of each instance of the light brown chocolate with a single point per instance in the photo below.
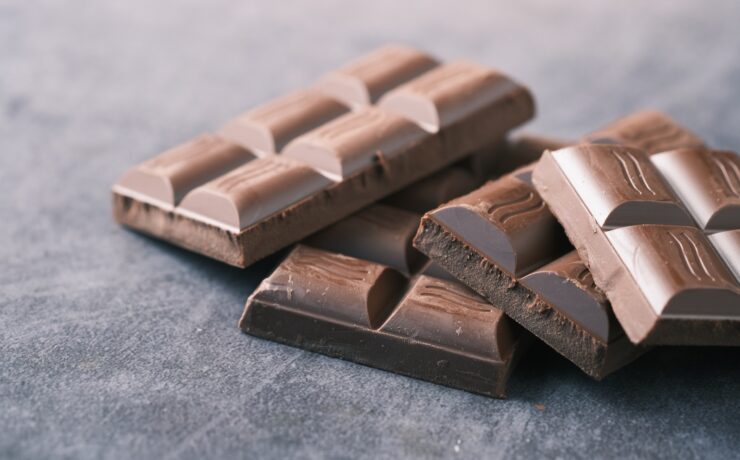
(708, 182)
(268, 128)
(167, 178)
(252, 192)
(355, 142)
(363, 81)
(448, 94)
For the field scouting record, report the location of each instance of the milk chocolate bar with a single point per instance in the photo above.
(502, 242)
(623, 210)
(240, 195)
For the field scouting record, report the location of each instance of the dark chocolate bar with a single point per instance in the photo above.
(502, 242)
(240, 195)
(361, 311)
(665, 281)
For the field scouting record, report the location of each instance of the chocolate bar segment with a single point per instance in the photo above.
(448, 94)
(379, 233)
(708, 182)
(335, 287)
(502, 242)
(636, 193)
(426, 328)
(268, 128)
(666, 283)
(165, 179)
(567, 284)
(648, 130)
(368, 155)
(508, 222)
(363, 81)
(355, 142)
(446, 314)
(252, 192)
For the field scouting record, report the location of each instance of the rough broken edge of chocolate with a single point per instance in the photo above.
(590, 354)
(380, 350)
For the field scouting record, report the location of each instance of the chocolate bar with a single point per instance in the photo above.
(502, 242)
(646, 246)
(414, 336)
(281, 172)
(488, 263)
(365, 312)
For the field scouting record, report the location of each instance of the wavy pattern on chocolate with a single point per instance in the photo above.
(666, 282)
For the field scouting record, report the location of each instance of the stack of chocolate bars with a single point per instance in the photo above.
(431, 243)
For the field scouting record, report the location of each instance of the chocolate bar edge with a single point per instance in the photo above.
(591, 355)
(379, 349)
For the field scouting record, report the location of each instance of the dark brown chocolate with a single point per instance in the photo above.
(502, 242)
(361, 311)
(216, 199)
(379, 233)
(666, 282)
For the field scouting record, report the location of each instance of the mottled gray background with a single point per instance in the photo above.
(113, 345)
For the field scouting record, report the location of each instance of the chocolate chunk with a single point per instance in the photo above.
(648, 130)
(448, 315)
(507, 221)
(379, 233)
(335, 287)
(708, 182)
(365, 312)
(666, 283)
(355, 142)
(567, 284)
(363, 81)
(252, 192)
(268, 128)
(502, 242)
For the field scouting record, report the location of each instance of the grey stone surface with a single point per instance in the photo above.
(113, 345)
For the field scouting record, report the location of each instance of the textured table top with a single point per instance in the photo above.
(114, 345)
